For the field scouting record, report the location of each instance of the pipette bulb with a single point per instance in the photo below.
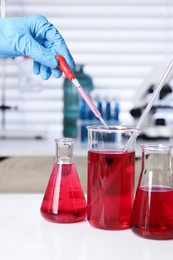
(62, 65)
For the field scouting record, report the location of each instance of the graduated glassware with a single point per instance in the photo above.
(111, 171)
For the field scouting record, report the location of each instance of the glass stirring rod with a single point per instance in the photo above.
(62, 65)
(150, 104)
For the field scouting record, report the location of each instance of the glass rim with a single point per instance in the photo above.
(64, 140)
(119, 128)
(158, 147)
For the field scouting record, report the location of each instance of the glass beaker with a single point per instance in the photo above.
(111, 169)
(152, 214)
(72, 100)
(64, 199)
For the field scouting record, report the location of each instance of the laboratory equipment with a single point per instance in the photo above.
(62, 65)
(153, 98)
(108, 110)
(87, 117)
(28, 81)
(116, 111)
(152, 215)
(110, 191)
(72, 101)
(64, 200)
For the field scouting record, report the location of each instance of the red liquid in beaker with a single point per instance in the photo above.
(110, 188)
(64, 200)
(153, 212)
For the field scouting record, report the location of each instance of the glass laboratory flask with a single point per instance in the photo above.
(64, 200)
(152, 215)
(72, 100)
(111, 172)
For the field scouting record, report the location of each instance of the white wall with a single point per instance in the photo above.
(119, 41)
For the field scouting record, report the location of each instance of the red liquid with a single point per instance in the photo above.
(64, 200)
(153, 212)
(110, 188)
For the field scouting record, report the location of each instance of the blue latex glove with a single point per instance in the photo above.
(37, 38)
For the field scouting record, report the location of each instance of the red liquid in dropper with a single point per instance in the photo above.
(153, 212)
(110, 188)
(64, 200)
(88, 101)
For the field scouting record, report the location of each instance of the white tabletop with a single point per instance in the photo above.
(25, 235)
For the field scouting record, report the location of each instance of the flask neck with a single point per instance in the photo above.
(155, 156)
(64, 150)
(156, 166)
(156, 160)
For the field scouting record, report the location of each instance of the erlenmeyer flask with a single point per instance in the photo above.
(64, 200)
(152, 215)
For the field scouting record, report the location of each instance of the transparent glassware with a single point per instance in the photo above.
(64, 200)
(72, 100)
(28, 81)
(152, 215)
(111, 171)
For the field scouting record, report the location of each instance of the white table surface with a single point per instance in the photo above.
(25, 235)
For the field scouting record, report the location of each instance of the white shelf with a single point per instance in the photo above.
(10, 147)
(30, 146)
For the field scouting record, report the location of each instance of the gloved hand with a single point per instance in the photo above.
(37, 38)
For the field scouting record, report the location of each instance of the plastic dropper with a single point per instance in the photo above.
(148, 107)
(62, 65)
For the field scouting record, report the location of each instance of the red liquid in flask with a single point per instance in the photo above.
(153, 212)
(64, 200)
(110, 188)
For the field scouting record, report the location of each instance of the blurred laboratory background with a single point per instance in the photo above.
(121, 49)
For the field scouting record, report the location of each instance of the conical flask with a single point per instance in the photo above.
(64, 201)
(152, 215)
